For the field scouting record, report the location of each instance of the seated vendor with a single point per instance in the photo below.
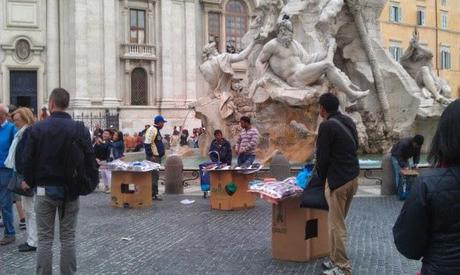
(247, 143)
(220, 149)
(402, 151)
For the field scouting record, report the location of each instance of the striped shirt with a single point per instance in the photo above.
(248, 141)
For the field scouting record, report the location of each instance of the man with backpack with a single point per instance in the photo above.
(59, 165)
(338, 166)
(155, 150)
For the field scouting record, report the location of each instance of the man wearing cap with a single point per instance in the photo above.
(155, 150)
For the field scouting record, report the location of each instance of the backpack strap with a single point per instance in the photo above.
(345, 129)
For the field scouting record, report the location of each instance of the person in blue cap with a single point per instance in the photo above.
(155, 150)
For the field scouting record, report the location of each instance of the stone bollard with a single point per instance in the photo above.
(279, 167)
(174, 176)
(388, 179)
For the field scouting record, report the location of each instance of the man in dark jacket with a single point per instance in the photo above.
(402, 151)
(220, 149)
(337, 166)
(407, 148)
(44, 169)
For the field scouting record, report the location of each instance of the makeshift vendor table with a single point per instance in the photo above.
(131, 183)
(222, 197)
(298, 234)
(131, 189)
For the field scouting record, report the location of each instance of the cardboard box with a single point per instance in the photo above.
(131, 189)
(298, 234)
(222, 199)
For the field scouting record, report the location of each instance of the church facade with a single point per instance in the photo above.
(132, 58)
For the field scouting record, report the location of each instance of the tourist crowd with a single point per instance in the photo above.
(34, 174)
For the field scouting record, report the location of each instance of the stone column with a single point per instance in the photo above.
(52, 48)
(110, 65)
(190, 51)
(81, 98)
(158, 75)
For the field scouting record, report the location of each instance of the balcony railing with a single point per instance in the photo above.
(138, 51)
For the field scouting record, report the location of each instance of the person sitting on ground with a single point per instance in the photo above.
(139, 142)
(184, 137)
(220, 149)
(102, 151)
(402, 151)
(428, 226)
(130, 142)
(175, 132)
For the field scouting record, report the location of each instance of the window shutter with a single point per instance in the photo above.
(392, 13)
(448, 61)
(399, 14)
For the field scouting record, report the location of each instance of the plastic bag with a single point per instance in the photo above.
(304, 176)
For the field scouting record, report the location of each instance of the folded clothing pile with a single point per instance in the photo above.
(136, 166)
(275, 191)
(216, 166)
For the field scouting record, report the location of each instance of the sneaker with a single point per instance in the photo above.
(25, 247)
(7, 240)
(328, 264)
(22, 224)
(1, 223)
(106, 190)
(334, 271)
(157, 198)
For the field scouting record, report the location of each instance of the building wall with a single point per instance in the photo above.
(84, 46)
(21, 20)
(431, 33)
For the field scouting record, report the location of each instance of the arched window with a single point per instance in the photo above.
(236, 24)
(139, 87)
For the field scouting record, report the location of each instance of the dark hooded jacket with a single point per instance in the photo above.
(428, 226)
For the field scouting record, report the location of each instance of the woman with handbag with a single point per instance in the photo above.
(22, 118)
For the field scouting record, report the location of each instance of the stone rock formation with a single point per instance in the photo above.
(283, 102)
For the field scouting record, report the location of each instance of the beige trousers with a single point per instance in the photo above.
(339, 201)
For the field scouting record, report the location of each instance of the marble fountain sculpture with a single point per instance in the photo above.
(299, 50)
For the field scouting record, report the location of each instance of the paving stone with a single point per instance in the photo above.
(171, 238)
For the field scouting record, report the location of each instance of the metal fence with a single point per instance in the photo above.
(104, 119)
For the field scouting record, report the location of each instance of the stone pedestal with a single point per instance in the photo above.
(388, 179)
(174, 177)
(279, 167)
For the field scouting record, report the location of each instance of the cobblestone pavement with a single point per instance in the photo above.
(171, 238)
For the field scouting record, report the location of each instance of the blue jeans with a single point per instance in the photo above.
(6, 203)
(396, 171)
(246, 159)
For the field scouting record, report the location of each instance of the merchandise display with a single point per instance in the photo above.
(136, 166)
(275, 191)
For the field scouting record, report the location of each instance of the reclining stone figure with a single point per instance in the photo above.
(289, 61)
